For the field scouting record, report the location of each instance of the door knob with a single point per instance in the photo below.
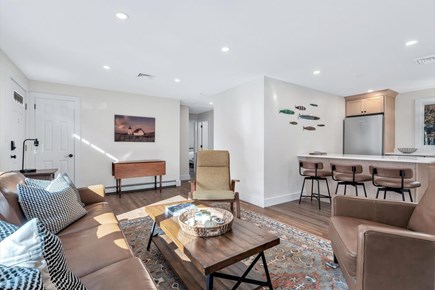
(69, 156)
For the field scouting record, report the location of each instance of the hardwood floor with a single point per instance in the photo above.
(305, 216)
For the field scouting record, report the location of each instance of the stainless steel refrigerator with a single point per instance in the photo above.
(364, 135)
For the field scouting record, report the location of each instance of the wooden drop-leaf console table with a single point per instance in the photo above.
(138, 168)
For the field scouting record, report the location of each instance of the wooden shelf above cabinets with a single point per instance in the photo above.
(373, 103)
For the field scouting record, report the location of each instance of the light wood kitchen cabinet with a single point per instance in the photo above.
(374, 103)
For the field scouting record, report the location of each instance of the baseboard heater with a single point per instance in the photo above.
(146, 185)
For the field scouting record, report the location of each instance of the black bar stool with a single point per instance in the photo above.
(314, 171)
(398, 180)
(349, 175)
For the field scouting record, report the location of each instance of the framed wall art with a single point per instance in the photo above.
(135, 129)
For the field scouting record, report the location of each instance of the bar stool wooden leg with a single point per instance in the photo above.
(312, 191)
(365, 192)
(410, 195)
(302, 190)
(318, 191)
(356, 189)
(345, 188)
(327, 186)
(336, 189)
(377, 193)
(385, 193)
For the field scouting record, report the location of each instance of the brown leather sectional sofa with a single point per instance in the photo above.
(95, 247)
(385, 245)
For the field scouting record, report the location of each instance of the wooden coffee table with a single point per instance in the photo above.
(197, 261)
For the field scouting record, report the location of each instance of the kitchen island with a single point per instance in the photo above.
(423, 167)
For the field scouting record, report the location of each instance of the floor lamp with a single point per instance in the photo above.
(36, 144)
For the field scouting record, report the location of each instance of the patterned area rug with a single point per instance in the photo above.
(299, 262)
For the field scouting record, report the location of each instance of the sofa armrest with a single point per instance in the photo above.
(390, 258)
(92, 194)
(387, 212)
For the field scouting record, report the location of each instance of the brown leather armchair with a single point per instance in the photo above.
(384, 244)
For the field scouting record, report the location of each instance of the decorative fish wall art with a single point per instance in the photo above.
(309, 117)
(293, 122)
(309, 128)
(314, 105)
(302, 108)
(287, 111)
(320, 125)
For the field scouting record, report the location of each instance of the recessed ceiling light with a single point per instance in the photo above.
(211, 103)
(106, 67)
(316, 72)
(370, 91)
(225, 49)
(177, 80)
(121, 15)
(411, 42)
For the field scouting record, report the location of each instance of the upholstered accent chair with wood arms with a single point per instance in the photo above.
(383, 244)
(349, 175)
(212, 182)
(399, 180)
(314, 171)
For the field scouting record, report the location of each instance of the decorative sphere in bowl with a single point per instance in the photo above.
(407, 150)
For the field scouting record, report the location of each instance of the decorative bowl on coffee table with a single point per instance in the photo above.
(206, 222)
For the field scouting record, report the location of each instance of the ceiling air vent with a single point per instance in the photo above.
(142, 75)
(426, 59)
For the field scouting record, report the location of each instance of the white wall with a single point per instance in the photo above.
(239, 128)
(184, 143)
(283, 141)
(12, 125)
(405, 117)
(98, 108)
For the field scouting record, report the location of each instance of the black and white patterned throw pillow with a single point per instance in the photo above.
(33, 246)
(20, 278)
(56, 210)
(6, 229)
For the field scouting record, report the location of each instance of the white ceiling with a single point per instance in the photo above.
(356, 44)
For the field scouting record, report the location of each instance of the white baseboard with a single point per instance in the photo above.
(281, 198)
(185, 177)
(256, 201)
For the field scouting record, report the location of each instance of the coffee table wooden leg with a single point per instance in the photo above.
(153, 227)
(209, 282)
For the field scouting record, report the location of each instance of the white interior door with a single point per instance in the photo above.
(17, 127)
(55, 128)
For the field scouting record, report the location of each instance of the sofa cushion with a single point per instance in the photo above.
(56, 210)
(20, 278)
(10, 209)
(129, 274)
(32, 245)
(97, 214)
(343, 233)
(92, 249)
(423, 218)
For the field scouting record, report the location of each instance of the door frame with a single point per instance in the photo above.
(77, 133)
